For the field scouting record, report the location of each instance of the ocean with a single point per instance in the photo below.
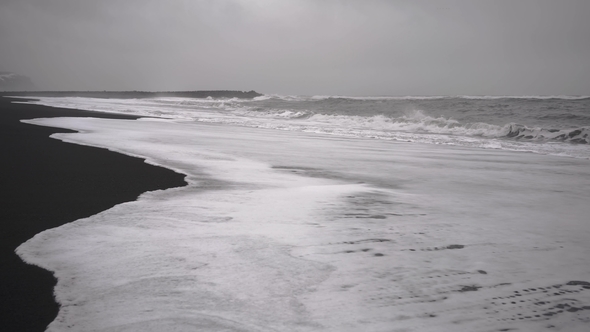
(333, 213)
(538, 124)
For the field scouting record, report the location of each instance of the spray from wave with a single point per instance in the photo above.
(418, 122)
(369, 98)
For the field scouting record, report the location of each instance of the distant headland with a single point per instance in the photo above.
(137, 94)
(13, 82)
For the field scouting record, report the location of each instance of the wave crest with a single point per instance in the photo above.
(418, 122)
(576, 135)
(373, 98)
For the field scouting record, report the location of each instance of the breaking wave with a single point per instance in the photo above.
(369, 98)
(576, 135)
(558, 125)
(564, 97)
(418, 122)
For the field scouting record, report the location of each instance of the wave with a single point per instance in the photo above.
(194, 101)
(222, 102)
(565, 97)
(369, 120)
(576, 135)
(415, 121)
(411, 122)
(371, 98)
(271, 113)
(418, 122)
(375, 98)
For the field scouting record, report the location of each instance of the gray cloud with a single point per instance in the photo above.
(301, 46)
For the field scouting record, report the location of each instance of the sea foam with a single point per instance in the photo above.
(286, 230)
(527, 123)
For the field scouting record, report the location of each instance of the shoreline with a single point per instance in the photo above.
(296, 231)
(49, 183)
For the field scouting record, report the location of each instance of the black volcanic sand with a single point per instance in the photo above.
(47, 183)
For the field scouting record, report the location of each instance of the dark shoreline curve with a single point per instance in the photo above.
(47, 183)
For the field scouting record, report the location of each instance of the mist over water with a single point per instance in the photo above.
(347, 47)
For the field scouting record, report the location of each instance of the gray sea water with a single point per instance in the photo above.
(556, 125)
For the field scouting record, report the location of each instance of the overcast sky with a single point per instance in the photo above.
(346, 47)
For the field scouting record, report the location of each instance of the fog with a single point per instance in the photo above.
(529, 47)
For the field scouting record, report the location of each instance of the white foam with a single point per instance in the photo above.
(542, 97)
(414, 126)
(491, 97)
(276, 232)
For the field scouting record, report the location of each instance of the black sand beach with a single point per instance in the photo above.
(47, 183)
